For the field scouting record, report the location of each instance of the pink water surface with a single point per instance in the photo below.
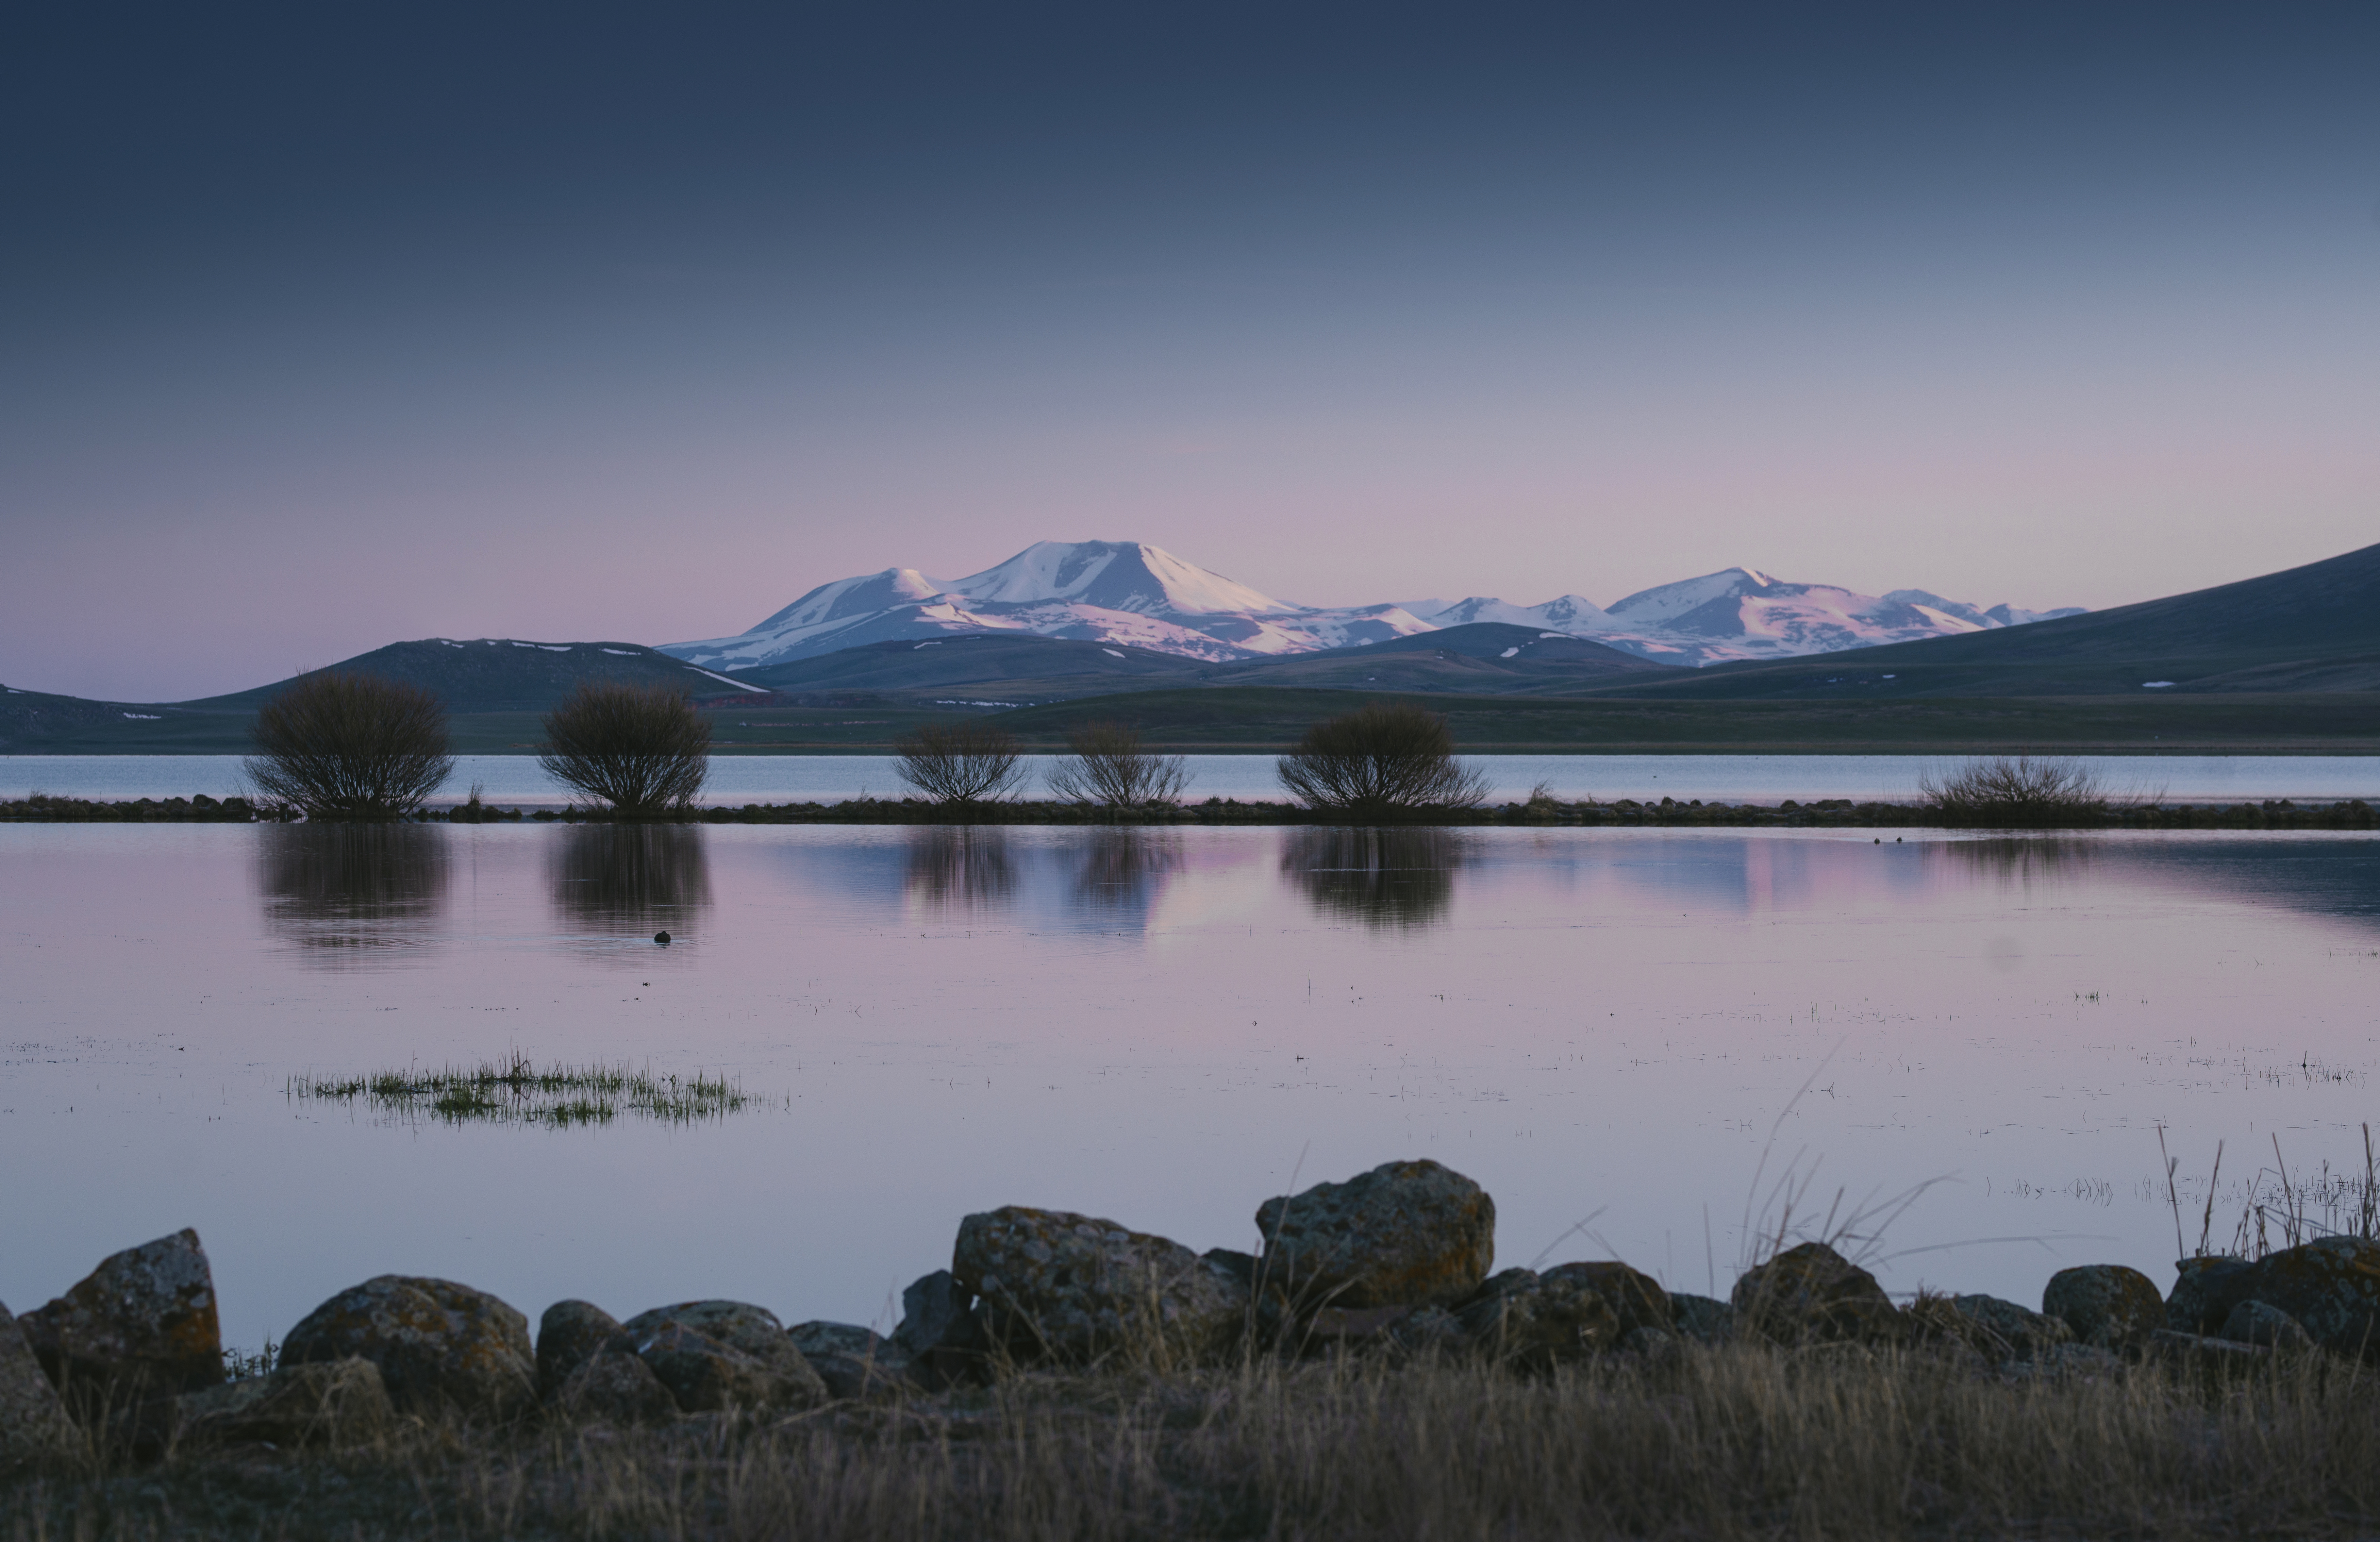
(1607, 1027)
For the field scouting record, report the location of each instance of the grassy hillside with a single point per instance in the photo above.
(496, 675)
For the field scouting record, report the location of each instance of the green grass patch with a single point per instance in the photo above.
(517, 1091)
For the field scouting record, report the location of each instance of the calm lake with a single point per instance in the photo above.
(1608, 1029)
(740, 779)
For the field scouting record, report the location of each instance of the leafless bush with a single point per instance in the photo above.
(964, 763)
(1380, 759)
(1105, 763)
(351, 747)
(2011, 789)
(643, 749)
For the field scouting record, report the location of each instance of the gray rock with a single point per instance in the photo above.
(853, 1362)
(33, 1419)
(438, 1345)
(1079, 1290)
(2254, 1322)
(1650, 1343)
(142, 1324)
(1533, 1320)
(2105, 1305)
(1702, 1320)
(2331, 1288)
(1813, 1294)
(751, 1331)
(570, 1334)
(2205, 1291)
(2025, 1333)
(941, 1332)
(1431, 1331)
(704, 1376)
(1636, 1299)
(615, 1387)
(2203, 1354)
(338, 1403)
(1407, 1233)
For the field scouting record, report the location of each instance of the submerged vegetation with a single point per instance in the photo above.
(1380, 761)
(515, 1091)
(642, 749)
(2009, 791)
(963, 764)
(1106, 763)
(351, 747)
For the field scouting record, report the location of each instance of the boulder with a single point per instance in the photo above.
(2105, 1305)
(1408, 1234)
(1539, 1319)
(2254, 1322)
(614, 1387)
(2331, 1286)
(33, 1419)
(1636, 1298)
(853, 1361)
(705, 1376)
(142, 1324)
(1078, 1290)
(438, 1345)
(2015, 1331)
(750, 1331)
(941, 1332)
(1702, 1320)
(338, 1403)
(2205, 1355)
(569, 1335)
(1813, 1294)
(2205, 1291)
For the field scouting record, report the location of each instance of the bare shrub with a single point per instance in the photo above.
(1105, 763)
(351, 747)
(643, 749)
(2011, 790)
(1380, 759)
(964, 763)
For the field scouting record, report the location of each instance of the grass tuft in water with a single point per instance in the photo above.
(515, 1090)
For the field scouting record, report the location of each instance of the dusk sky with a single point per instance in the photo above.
(333, 326)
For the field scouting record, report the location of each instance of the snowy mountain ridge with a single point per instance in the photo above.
(1129, 593)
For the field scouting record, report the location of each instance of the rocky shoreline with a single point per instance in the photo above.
(1394, 1265)
(1790, 814)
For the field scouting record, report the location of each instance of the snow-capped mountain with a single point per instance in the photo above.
(1127, 592)
(1097, 591)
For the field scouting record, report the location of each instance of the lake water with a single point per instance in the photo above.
(515, 780)
(1607, 1029)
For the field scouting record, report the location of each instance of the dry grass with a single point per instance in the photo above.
(1740, 1442)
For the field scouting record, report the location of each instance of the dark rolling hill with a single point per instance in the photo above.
(2306, 630)
(1012, 666)
(1482, 657)
(505, 674)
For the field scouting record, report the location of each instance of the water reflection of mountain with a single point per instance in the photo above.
(2330, 876)
(632, 878)
(964, 866)
(1394, 878)
(338, 886)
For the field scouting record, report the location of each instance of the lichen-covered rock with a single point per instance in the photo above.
(2254, 1322)
(2205, 1355)
(2331, 1286)
(142, 1324)
(33, 1419)
(570, 1334)
(615, 1387)
(751, 1331)
(339, 1404)
(2015, 1331)
(705, 1375)
(1408, 1234)
(1813, 1294)
(2105, 1305)
(1539, 1319)
(1078, 1290)
(1635, 1297)
(438, 1345)
(1702, 1320)
(853, 1362)
(941, 1332)
(1430, 1331)
(2205, 1291)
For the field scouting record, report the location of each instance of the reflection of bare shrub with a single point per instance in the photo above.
(643, 749)
(1398, 876)
(1121, 866)
(634, 877)
(2022, 859)
(1105, 763)
(964, 763)
(339, 885)
(351, 747)
(959, 865)
(2017, 790)
(1380, 759)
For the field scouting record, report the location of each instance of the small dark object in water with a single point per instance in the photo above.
(661, 937)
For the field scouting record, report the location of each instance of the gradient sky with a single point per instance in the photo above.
(326, 326)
